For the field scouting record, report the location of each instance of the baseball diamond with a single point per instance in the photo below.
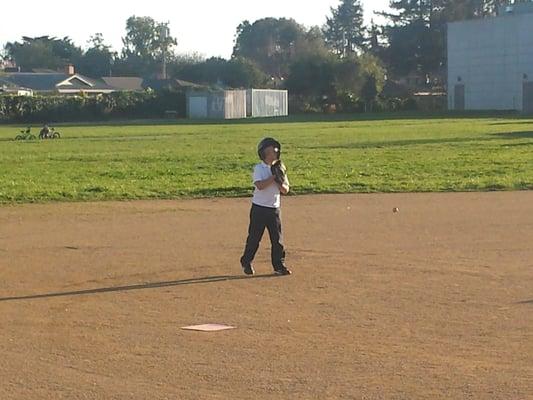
(266, 200)
(432, 302)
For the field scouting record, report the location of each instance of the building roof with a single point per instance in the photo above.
(65, 83)
(187, 84)
(42, 71)
(140, 84)
(4, 84)
(125, 83)
(51, 82)
(9, 87)
(171, 84)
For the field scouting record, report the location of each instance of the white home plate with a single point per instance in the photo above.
(208, 328)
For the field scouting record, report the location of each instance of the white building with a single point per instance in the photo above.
(223, 104)
(232, 104)
(490, 61)
(267, 103)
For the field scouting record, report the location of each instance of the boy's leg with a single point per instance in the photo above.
(273, 225)
(255, 233)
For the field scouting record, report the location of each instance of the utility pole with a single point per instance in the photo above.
(344, 44)
(164, 35)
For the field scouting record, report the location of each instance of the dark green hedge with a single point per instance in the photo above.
(42, 109)
(347, 104)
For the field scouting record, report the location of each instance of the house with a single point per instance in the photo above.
(136, 84)
(10, 88)
(67, 82)
(125, 83)
(174, 84)
(45, 81)
(8, 65)
(490, 61)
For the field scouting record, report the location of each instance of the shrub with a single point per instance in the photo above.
(149, 104)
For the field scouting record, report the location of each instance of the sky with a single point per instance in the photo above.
(206, 27)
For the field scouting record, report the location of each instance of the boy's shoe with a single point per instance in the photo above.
(248, 269)
(282, 271)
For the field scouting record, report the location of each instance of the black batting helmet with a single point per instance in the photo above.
(267, 142)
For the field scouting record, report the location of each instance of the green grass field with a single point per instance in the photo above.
(147, 160)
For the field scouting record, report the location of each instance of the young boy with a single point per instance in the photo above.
(265, 212)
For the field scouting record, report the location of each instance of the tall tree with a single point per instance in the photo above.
(330, 77)
(273, 44)
(373, 78)
(97, 61)
(140, 39)
(313, 43)
(43, 52)
(244, 73)
(236, 73)
(375, 35)
(147, 44)
(416, 34)
(313, 77)
(345, 30)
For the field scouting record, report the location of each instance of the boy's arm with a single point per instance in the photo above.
(284, 188)
(264, 183)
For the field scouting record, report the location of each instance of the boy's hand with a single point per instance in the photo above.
(284, 187)
(279, 171)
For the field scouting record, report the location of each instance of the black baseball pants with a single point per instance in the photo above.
(261, 218)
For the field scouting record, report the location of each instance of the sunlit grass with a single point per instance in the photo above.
(328, 154)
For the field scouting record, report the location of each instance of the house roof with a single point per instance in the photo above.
(6, 84)
(49, 82)
(64, 83)
(140, 84)
(42, 71)
(172, 84)
(187, 84)
(124, 82)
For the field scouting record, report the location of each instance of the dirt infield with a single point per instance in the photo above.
(432, 302)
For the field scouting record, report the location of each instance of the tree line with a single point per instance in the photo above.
(343, 59)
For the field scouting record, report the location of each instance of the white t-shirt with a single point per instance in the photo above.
(270, 196)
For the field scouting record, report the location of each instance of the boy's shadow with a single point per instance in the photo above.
(154, 285)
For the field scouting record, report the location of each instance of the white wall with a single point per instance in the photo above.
(197, 106)
(491, 56)
(234, 104)
(267, 102)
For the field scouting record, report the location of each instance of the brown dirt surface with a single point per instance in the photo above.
(432, 302)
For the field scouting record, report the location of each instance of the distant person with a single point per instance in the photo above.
(45, 132)
(269, 184)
